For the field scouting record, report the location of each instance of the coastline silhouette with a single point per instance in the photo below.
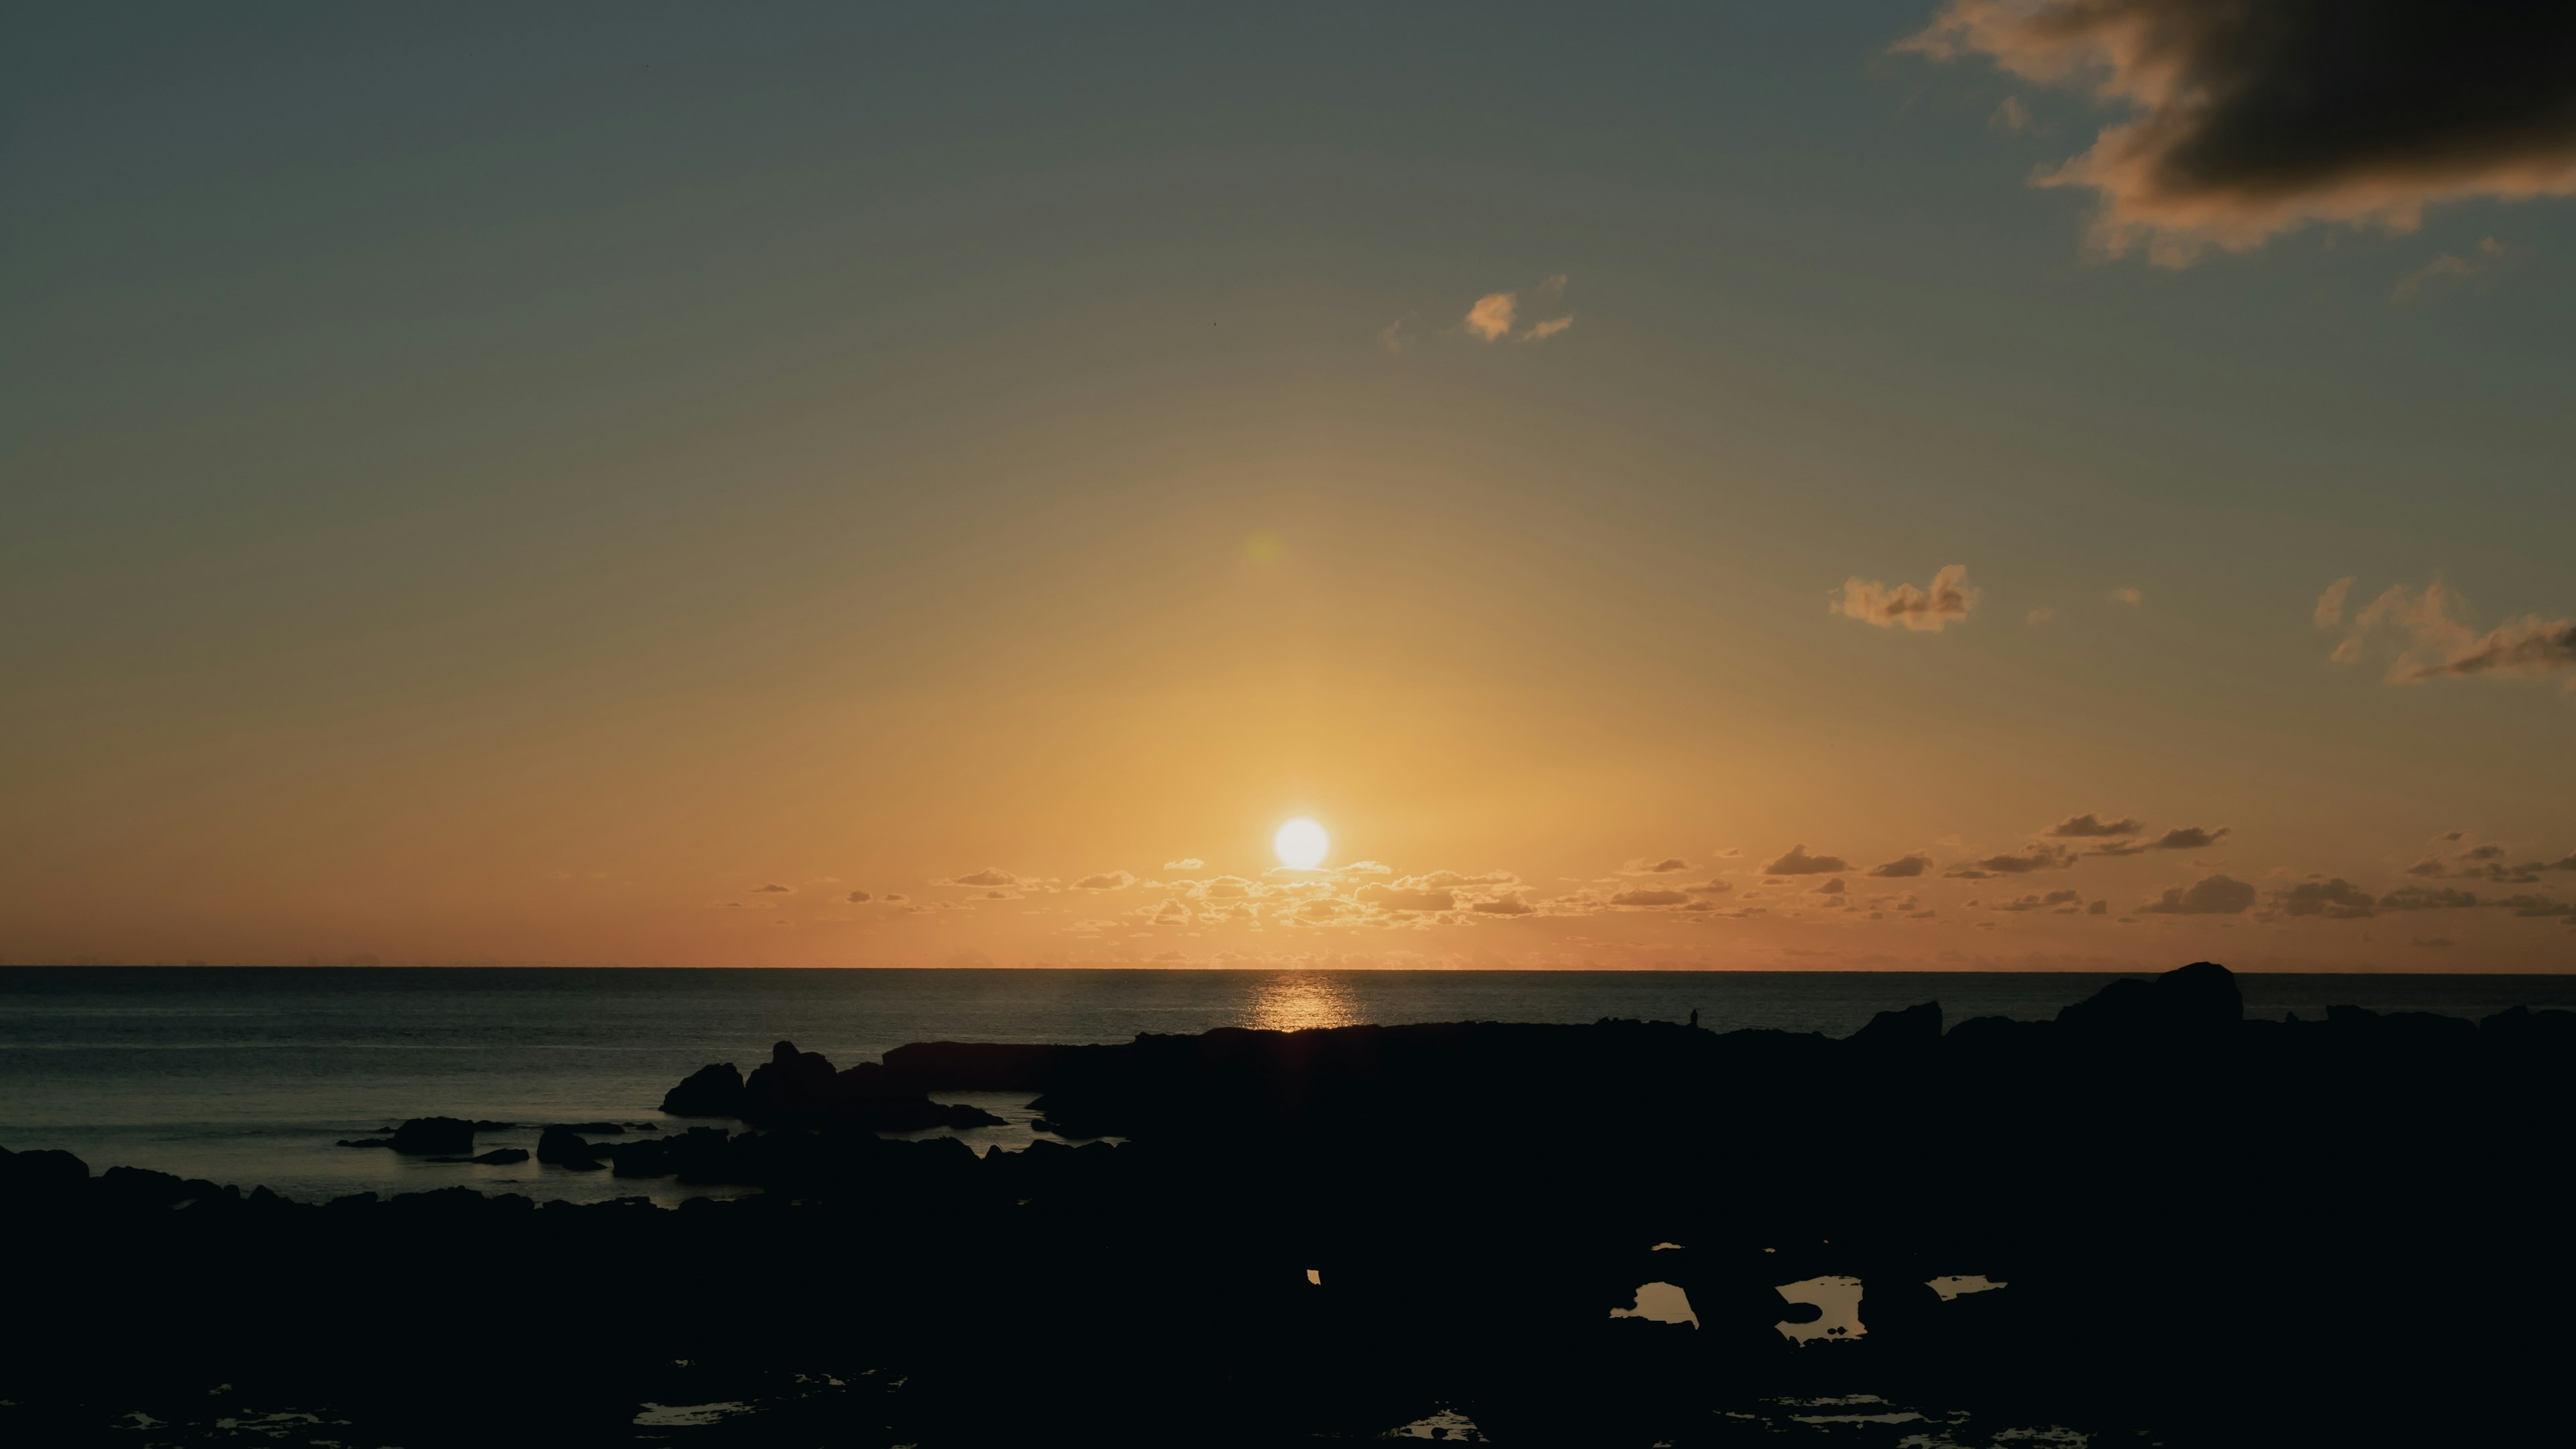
(2151, 1220)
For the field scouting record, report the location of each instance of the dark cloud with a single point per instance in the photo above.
(1928, 611)
(2036, 857)
(2098, 908)
(1110, 880)
(1832, 887)
(2190, 837)
(2081, 826)
(990, 875)
(1511, 905)
(858, 898)
(1911, 865)
(2214, 896)
(773, 890)
(2428, 868)
(2337, 899)
(1713, 888)
(2530, 905)
(1799, 862)
(1650, 898)
(2426, 898)
(2244, 121)
(2037, 903)
(1665, 866)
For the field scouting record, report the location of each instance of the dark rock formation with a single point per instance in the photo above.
(497, 1157)
(2212, 1231)
(565, 1147)
(710, 1091)
(799, 1088)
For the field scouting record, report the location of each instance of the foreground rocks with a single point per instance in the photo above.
(2213, 1231)
(799, 1088)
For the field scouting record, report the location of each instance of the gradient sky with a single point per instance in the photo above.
(619, 484)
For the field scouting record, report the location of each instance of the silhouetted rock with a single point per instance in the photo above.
(1916, 1028)
(41, 1170)
(710, 1091)
(497, 1157)
(800, 1088)
(2192, 1004)
(426, 1136)
(589, 1129)
(565, 1147)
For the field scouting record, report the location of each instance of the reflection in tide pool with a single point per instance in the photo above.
(1297, 1000)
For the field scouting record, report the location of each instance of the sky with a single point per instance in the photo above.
(1905, 484)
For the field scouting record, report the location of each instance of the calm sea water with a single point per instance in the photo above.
(247, 1075)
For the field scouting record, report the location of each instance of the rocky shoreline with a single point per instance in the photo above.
(2211, 1230)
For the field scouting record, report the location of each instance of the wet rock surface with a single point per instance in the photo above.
(2209, 1231)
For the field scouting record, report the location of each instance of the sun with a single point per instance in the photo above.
(1301, 844)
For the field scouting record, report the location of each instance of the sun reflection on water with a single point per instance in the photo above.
(1296, 1000)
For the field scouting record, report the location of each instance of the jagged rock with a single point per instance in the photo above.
(2193, 1003)
(41, 1170)
(434, 1136)
(1916, 1028)
(564, 1147)
(710, 1091)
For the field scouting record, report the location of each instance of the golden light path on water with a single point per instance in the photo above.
(1296, 1000)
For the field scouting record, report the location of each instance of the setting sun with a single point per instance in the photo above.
(1301, 844)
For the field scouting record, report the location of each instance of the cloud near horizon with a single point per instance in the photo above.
(1929, 611)
(2245, 122)
(2077, 827)
(2215, 895)
(1799, 862)
(2436, 642)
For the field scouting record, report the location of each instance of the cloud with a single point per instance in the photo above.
(1651, 898)
(2087, 825)
(1925, 610)
(2437, 643)
(1490, 320)
(1799, 862)
(1109, 880)
(858, 898)
(1666, 866)
(1542, 331)
(2481, 258)
(2427, 898)
(1396, 898)
(2012, 117)
(2181, 837)
(1510, 905)
(2131, 596)
(2337, 899)
(990, 875)
(2330, 603)
(773, 890)
(2243, 121)
(2214, 896)
(1391, 336)
(2037, 903)
(1187, 863)
(2435, 942)
(2040, 615)
(1832, 887)
(2036, 857)
(1903, 866)
(1552, 287)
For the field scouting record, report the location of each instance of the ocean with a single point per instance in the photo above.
(249, 1075)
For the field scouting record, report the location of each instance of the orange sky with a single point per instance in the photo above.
(610, 497)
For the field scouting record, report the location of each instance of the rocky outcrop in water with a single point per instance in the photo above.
(800, 1088)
